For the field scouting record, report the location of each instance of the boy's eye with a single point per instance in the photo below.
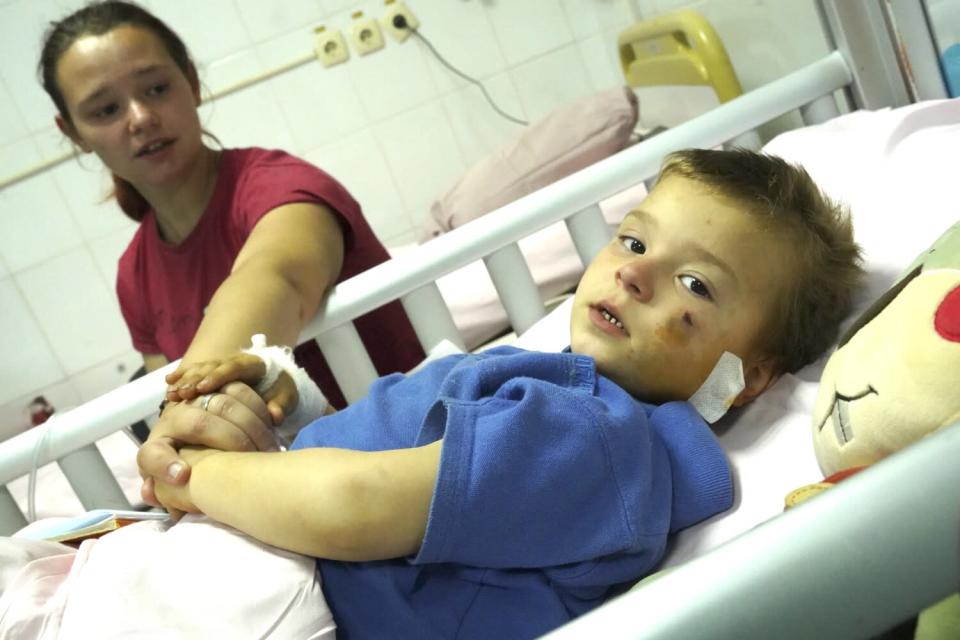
(696, 286)
(157, 89)
(633, 245)
(106, 111)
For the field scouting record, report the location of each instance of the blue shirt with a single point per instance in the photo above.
(554, 486)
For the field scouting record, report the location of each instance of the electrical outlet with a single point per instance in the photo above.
(330, 46)
(396, 8)
(366, 34)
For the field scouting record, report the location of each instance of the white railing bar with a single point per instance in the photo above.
(820, 110)
(516, 288)
(348, 359)
(590, 232)
(430, 317)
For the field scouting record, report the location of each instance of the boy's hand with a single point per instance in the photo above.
(197, 378)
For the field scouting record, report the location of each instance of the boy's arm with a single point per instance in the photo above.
(337, 504)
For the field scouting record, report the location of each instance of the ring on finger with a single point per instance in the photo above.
(205, 401)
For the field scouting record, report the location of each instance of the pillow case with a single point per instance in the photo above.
(570, 138)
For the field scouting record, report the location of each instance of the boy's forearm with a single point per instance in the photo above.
(329, 503)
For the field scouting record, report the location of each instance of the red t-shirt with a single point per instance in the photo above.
(164, 289)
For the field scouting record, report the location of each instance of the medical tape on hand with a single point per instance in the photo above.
(721, 388)
(311, 402)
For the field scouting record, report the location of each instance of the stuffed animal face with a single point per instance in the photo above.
(896, 380)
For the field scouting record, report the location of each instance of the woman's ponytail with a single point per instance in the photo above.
(131, 202)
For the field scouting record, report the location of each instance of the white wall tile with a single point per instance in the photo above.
(15, 414)
(461, 33)
(358, 163)
(195, 22)
(23, 26)
(17, 156)
(86, 187)
(602, 62)
(265, 20)
(35, 224)
(78, 313)
(550, 81)
(250, 117)
(528, 29)
(319, 105)
(52, 143)
(478, 128)
(423, 156)
(26, 359)
(589, 17)
(229, 70)
(13, 127)
(392, 80)
(107, 249)
(106, 376)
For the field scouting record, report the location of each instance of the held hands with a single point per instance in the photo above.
(191, 380)
(176, 498)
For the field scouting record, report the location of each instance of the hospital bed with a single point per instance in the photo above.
(851, 563)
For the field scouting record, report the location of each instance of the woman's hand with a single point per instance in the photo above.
(235, 419)
(175, 498)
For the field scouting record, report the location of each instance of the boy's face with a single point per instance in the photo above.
(688, 276)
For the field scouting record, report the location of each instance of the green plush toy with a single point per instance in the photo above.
(894, 379)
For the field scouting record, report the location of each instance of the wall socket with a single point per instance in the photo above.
(397, 8)
(366, 34)
(329, 46)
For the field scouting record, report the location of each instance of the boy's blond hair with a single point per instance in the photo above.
(825, 259)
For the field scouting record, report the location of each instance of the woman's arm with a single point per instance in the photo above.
(328, 503)
(292, 257)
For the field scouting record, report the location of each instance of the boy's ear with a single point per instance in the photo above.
(67, 129)
(758, 375)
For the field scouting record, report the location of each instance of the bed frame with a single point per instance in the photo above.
(791, 577)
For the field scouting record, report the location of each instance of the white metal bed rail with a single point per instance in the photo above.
(408, 277)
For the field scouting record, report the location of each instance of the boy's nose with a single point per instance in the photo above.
(636, 276)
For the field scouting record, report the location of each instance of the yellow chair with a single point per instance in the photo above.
(678, 48)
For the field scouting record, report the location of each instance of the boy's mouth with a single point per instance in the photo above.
(606, 317)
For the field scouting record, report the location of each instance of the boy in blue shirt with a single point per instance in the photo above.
(503, 494)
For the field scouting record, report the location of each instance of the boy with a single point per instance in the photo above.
(502, 494)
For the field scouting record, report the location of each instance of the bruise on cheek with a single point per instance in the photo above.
(673, 333)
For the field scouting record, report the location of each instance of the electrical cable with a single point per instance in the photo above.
(401, 23)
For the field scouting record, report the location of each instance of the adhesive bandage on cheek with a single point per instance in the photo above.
(718, 392)
(311, 403)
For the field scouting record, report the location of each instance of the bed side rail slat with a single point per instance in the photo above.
(516, 288)
(590, 232)
(91, 479)
(348, 360)
(11, 518)
(431, 318)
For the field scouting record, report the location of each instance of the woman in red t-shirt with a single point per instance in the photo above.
(231, 242)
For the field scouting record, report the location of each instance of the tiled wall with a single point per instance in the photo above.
(394, 126)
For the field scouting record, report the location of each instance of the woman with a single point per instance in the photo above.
(231, 242)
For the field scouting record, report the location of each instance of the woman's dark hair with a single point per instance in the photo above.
(97, 19)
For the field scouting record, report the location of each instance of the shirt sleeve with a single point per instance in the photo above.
(531, 472)
(277, 178)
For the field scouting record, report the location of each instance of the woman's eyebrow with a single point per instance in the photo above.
(103, 89)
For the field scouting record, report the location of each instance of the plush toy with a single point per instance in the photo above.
(893, 380)
(894, 377)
